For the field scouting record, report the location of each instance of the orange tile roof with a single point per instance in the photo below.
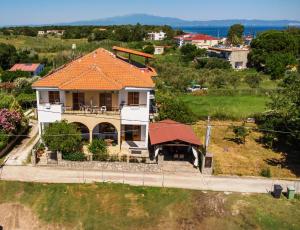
(98, 70)
(135, 52)
(27, 67)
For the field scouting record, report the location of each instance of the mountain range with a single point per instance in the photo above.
(146, 19)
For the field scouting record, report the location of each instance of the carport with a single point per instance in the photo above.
(174, 141)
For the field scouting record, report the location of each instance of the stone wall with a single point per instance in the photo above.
(108, 166)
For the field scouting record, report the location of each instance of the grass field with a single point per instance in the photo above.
(225, 107)
(247, 159)
(112, 206)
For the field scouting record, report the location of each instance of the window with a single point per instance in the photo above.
(53, 97)
(133, 98)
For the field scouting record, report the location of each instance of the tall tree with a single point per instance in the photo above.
(235, 34)
(8, 56)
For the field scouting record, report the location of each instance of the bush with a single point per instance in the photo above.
(240, 132)
(3, 139)
(149, 49)
(253, 80)
(77, 156)
(98, 148)
(10, 76)
(62, 136)
(213, 63)
(26, 100)
(266, 172)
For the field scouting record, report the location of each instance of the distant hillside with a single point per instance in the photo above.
(146, 19)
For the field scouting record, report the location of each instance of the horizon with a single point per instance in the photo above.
(47, 13)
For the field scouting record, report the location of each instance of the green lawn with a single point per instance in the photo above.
(113, 206)
(225, 107)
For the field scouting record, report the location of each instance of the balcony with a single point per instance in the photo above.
(92, 110)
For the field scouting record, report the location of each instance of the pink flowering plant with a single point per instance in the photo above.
(10, 121)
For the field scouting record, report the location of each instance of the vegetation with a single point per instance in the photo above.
(10, 76)
(283, 116)
(63, 137)
(240, 133)
(113, 206)
(249, 159)
(172, 107)
(225, 107)
(98, 148)
(253, 80)
(213, 63)
(274, 51)
(76, 156)
(189, 52)
(235, 34)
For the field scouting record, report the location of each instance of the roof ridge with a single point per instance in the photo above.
(108, 78)
(75, 78)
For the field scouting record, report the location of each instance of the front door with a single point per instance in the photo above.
(106, 100)
(78, 100)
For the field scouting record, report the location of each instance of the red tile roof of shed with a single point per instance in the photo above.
(27, 67)
(169, 130)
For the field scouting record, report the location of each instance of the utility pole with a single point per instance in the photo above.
(208, 134)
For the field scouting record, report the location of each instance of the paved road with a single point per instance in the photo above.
(177, 180)
(20, 152)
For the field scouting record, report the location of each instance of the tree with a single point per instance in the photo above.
(8, 101)
(171, 107)
(213, 63)
(189, 52)
(99, 149)
(283, 116)
(235, 34)
(62, 136)
(277, 63)
(8, 56)
(253, 80)
(240, 133)
(273, 51)
(149, 49)
(10, 76)
(10, 121)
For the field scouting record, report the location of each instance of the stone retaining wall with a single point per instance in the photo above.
(110, 166)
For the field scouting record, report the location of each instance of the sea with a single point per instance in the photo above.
(222, 31)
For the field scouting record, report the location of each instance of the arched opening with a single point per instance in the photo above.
(85, 132)
(106, 131)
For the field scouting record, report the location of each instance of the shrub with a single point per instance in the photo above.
(10, 76)
(149, 49)
(240, 132)
(266, 172)
(77, 156)
(253, 80)
(26, 100)
(3, 139)
(213, 63)
(98, 148)
(62, 136)
(10, 121)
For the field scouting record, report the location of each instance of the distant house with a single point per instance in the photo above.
(159, 50)
(33, 68)
(41, 33)
(237, 56)
(247, 40)
(157, 36)
(56, 32)
(202, 41)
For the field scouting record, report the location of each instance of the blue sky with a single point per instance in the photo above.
(16, 12)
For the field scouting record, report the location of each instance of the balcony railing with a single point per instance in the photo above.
(87, 109)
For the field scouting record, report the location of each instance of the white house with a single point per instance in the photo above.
(202, 41)
(104, 95)
(157, 36)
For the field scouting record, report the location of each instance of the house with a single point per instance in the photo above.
(158, 50)
(157, 36)
(33, 68)
(237, 56)
(202, 41)
(41, 33)
(105, 95)
(171, 140)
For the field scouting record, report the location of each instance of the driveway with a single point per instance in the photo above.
(172, 180)
(20, 152)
